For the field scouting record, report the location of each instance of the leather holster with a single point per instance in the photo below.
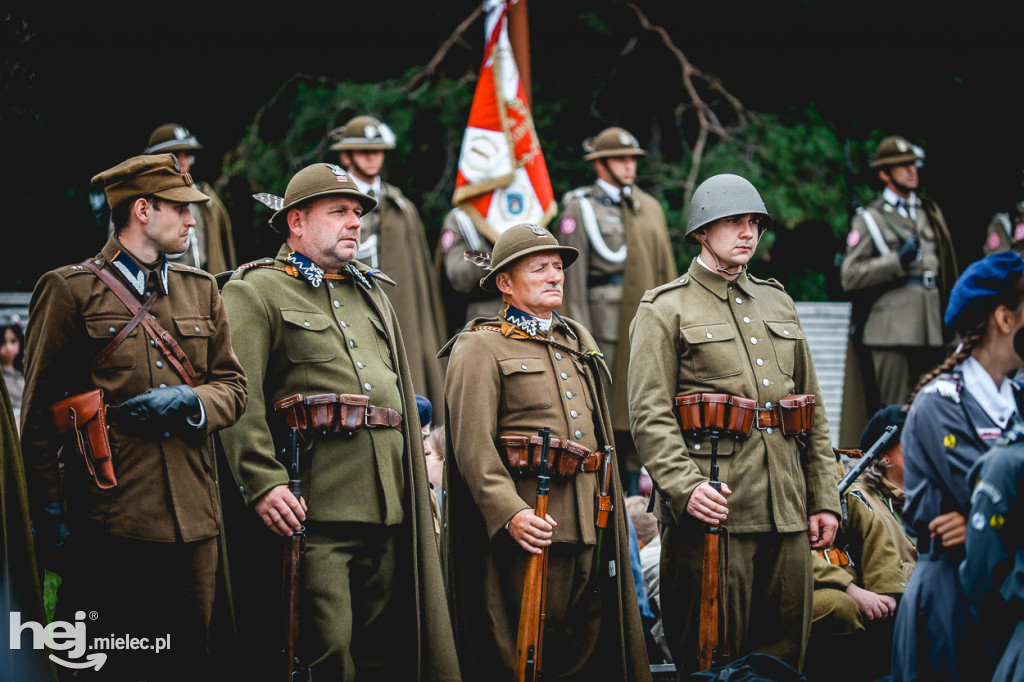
(82, 420)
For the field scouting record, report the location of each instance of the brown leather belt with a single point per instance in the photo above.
(566, 458)
(736, 416)
(330, 414)
(836, 557)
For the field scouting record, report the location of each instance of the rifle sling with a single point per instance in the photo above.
(163, 340)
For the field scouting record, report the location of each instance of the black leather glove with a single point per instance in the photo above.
(53, 539)
(909, 252)
(159, 411)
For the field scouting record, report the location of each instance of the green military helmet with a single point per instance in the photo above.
(171, 137)
(721, 196)
(896, 151)
(313, 182)
(522, 240)
(363, 133)
(612, 142)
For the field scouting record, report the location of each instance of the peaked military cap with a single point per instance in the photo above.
(522, 240)
(156, 174)
(171, 137)
(612, 142)
(313, 182)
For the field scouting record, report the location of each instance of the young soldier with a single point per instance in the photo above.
(719, 330)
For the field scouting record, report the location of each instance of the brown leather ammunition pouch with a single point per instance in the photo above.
(566, 458)
(735, 415)
(794, 415)
(82, 419)
(332, 414)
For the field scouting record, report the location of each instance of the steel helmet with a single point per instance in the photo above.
(612, 142)
(721, 196)
(363, 133)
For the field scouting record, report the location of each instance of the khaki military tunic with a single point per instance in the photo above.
(460, 278)
(702, 333)
(888, 506)
(1005, 231)
(392, 239)
(307, 332)
(505, 383)
(903, 326)
(624, 251)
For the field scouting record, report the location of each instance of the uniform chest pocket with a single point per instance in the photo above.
(525, 384)
(784, 336)
(383, 347)
(194, 334)
(102, 329)
(307, 335)
(712, 350)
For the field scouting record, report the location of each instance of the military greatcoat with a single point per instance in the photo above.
(888, 505)
(392, 239)
(624, 251)
(702, 333)
(459, 278)
(308, 332)
(1006, 231)
(506, 376)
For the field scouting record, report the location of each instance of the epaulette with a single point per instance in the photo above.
(242, 269)
(771, 281)
(652, 294)
(945, 385)
(180, 267)
(71, 270)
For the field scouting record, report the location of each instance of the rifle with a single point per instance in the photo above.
(604, 510)
(530, 638)
(713, 629)
(293, 563)
(876, 449)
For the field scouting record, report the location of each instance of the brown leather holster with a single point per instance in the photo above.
(83, 420)
(735, 415)
(566, 457)
(333, 414)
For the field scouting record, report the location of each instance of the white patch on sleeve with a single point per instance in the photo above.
(947, 388)
(978, 521)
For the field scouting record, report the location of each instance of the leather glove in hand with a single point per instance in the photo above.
(158, 411)
(53, 539)
(909, 252)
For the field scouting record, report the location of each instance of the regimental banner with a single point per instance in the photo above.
(502, 179)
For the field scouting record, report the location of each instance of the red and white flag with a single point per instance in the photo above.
(502, 179)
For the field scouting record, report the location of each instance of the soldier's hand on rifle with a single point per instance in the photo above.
(709, 505)
(823, 527)
(157, 411)
(909, 252)
(950, 528)
(874, 606)
(281, 511)
(530, 531)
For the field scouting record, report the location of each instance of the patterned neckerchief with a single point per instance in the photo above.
(315, 275)
(135, 275)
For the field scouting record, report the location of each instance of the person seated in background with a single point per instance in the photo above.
(426, 412)
(646, 525)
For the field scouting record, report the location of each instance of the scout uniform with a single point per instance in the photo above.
(990, 573)
(953, 420)
(372, 575)
(460, 278)
(211, 245)
(508, 376)
(624, 251)
(392, 239)
(902, 326)
(702, 333)
(152, 549)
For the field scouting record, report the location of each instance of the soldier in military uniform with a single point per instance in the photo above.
(460, 278)
(719, 330)
(393, 240)
(624, 248)
(508, 376)
(210, 245)
(319, 330)
(899, 266)
(1006, 229)
(141, 553)
(994, 561)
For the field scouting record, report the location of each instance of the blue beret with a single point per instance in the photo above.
(426, 411)
(986, 278)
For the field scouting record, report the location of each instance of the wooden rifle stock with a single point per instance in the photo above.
(604, 510)
(713, 629)
(530, 638)
(292, 565)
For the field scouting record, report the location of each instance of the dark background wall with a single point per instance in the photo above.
(84, 86)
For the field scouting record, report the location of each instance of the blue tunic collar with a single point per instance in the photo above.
(135, 275)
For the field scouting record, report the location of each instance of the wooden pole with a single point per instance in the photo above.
(519, 36)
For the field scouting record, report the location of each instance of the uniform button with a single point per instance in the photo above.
(344, 324)
(337, 304)
(306, 323)
(159, 364)
(709, 335)
(112, 330)
(765, 382)
(753, 340)
(769, 429)
(551, 338)
(367, 386)
(747, 320)
(786, 332)
(197, 330)
(760, 362)
(564, 375)
(768, 406)
(568, 394)
(360, 365)
(268, 260)
(97, 262)
(739, 300)
(578, 434)
(574, 414)
(558, 356)
(167, 434)
(241, 489)
(330, 284)
(351, 344)
(152, 342)
(696, 446)
(523, 366)
(163, 385)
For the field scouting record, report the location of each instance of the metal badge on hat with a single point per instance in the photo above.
(537, 229)
(337, 170)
